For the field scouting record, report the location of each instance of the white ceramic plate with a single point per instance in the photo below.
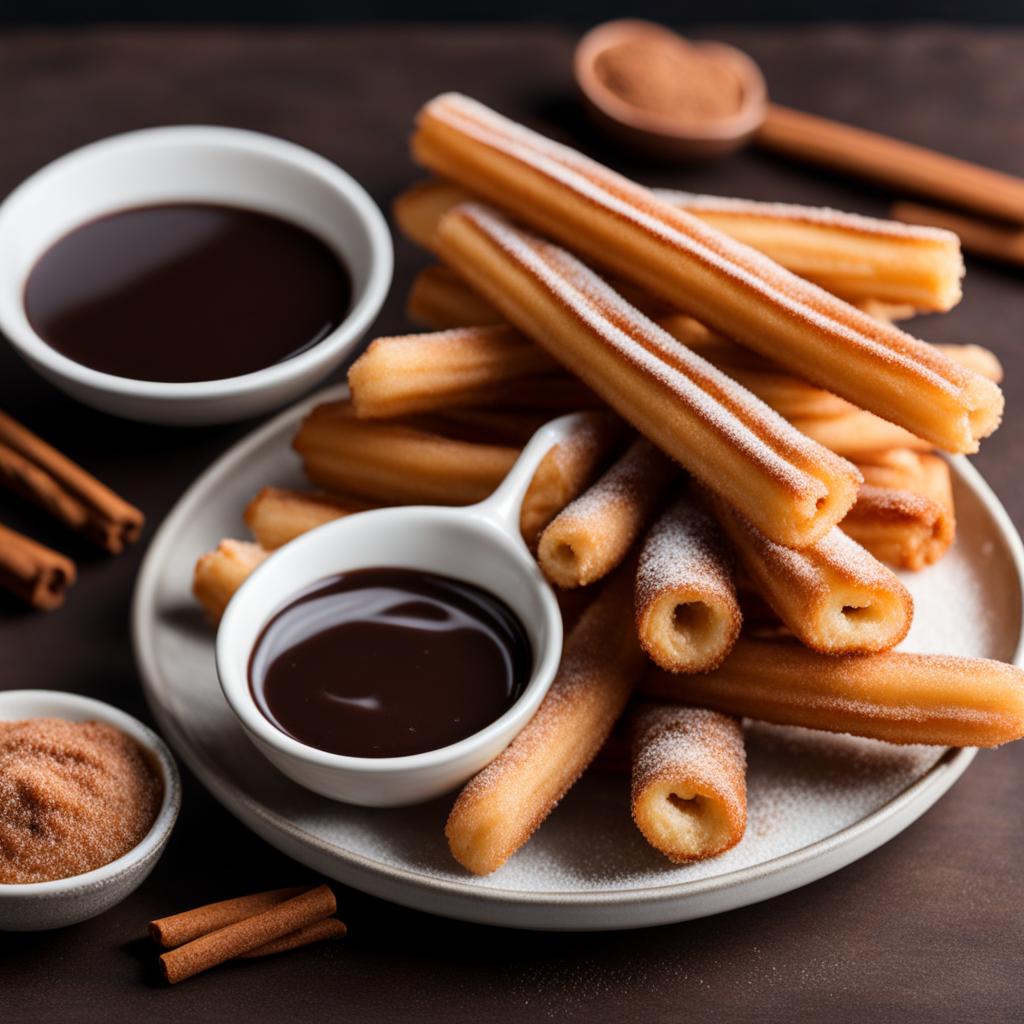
(816, 802)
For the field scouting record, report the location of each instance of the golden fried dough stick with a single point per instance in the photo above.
(499, 809)
(393, 463)
(835, 596)
(439, 298)
(898, 697)
(278, 514)
(412, 373)
(904, 513)
(698, 269)
(687, 614)
(689, 780)
(857, 258)
(566, 471)
(219, 573)
(857, 434)
(592, 535)
(890, 265)
(795, 490)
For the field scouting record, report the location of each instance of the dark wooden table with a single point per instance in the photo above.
(929, 928)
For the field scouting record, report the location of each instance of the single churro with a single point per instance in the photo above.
(278, 514)
(394, 463)
(219, 573)
(861, 259)
(795, 490)
(439, 298)
(689, 786)
(835, 596)
(415, 373)
(591, 536)
(498, 810)
(687, 614)
(699, 270)
(904, 514)
(893, 696)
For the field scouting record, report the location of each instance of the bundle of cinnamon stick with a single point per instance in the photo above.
(246, 927)
(36, 471)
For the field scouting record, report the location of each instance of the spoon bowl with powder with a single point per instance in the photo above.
(88, 799)
(662, 95)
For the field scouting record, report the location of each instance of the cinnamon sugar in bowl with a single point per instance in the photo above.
(665, 96)
(88, 798)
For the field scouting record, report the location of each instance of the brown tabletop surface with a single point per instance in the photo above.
(928, 928)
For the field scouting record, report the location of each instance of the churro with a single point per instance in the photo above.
(439, 298)
(884, 263)
(857, 434)
(499, 809)
(591, 536)
(904, 512)
(689, 787)
(566, 471)
(277, 514)
(414, 373)
(687, 614)
(894, 696)
(219, 573)
(794, 489)
(835, 596)
(857, 258)
(395, 463)
(699, 270)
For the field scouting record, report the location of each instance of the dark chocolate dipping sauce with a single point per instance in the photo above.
(186, 292)
(389, 662)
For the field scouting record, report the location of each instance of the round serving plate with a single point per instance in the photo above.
(816, 802)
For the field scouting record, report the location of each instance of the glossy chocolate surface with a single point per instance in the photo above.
(186, 292)
(389, 662)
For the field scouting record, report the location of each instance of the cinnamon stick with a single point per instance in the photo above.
(994, 241)
(38, 575)
(243, 937)
(319, 931)
(900, 165)
(37, 471)
(178, 929)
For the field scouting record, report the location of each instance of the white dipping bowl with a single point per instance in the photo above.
(226, 166)
(35, 906)
(478, 544)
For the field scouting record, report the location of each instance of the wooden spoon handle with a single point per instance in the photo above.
(899, 165)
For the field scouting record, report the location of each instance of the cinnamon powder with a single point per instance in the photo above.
(73, 797)
(668, 76)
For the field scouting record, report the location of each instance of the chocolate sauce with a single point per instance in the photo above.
(186, 292)
(388, 662)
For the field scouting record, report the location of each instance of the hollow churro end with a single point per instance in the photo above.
(985, 403)
(688, 780)
(689, 635)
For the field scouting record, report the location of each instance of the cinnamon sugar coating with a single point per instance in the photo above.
(893, 696)
(689, 789)
(687, 614)
(73, 797)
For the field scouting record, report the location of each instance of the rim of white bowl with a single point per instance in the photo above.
(238, 693)
(159, 832)
(15, 325)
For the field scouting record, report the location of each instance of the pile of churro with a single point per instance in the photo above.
(757, 455)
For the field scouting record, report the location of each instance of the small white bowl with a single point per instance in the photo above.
(36, 906)
(193, 164)
(480, 544)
